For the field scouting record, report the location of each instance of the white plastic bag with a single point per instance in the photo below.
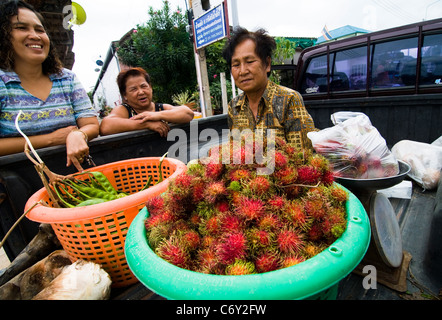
(425, 161)
(355, 148)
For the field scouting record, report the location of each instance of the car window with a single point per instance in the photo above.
(431, 65)
(349, 70)
(315, 76)
(394, 63)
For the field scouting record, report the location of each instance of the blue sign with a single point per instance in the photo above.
(210, 27)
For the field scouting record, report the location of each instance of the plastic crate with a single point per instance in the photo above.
(315, 278)
(97, 233)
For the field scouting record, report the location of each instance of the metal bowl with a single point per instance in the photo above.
(378, 183)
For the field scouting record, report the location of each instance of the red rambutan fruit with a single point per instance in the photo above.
(259, 186)
(180, 188)
(190, 240)
(239, 174)
(152, 221)
(316, 205)
(231, 246)
(326, 227)
(214, 191)
(291, 260)
(339, 194)
(259, 238)
(195, 219)
(222, 206)
(311, 249)
(240, 267)
(267, 261)
(155, 205)
(319, 162)
(308, 175)
(294, 211)
(250, 209)
(158, 233)
(208, 241)
(173, 252)
(289, 150)
(198, 187)
(160, 218)
(182, 181)
(231, 222)
(214, 170)
(285, 176)
(294, 191)
(315, 233)
(328, 178)
(338, 222)
(281, 160)
(211, 225)
(270, 222)
(290, 241)
(276, 203)
(206, 260)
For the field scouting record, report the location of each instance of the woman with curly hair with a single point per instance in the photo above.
(55, 107)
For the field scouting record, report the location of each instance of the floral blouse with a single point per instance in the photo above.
(67, 102)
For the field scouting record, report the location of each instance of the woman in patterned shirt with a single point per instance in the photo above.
(55, 107)
(263, 104)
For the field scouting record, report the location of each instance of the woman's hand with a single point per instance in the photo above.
(147, 116)
(158, 126)
(76, 148)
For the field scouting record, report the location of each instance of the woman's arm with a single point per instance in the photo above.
(17, 144)
(118, 121)
(178, 114)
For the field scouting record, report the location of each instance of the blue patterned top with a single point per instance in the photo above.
(67, 102)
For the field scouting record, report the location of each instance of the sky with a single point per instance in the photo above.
(109, 20)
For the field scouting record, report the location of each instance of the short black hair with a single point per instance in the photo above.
(265, 44)
(132, 72)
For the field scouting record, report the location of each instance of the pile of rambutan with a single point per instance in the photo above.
(221, 217)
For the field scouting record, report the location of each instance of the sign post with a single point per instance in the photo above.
(210, 27)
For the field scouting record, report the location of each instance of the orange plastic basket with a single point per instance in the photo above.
(97, 233)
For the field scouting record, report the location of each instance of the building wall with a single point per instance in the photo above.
(108, 88)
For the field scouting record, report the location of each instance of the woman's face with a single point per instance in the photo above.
(138, 92)
(29, 38)
(248, 70)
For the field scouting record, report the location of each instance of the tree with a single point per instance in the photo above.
(162, 47)
(285, 49)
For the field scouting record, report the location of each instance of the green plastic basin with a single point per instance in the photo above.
(315, 278)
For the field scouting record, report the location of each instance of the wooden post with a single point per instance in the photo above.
(205, 81)
(224, 91)
(201, 69)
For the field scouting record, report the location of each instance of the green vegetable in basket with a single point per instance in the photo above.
(90, 202)
(103, 182)
(88, 192)
(74, 192)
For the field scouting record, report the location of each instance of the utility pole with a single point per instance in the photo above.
(201, 67)
(235, 23)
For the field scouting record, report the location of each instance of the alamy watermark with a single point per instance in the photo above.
(67, 24)
(370, 280)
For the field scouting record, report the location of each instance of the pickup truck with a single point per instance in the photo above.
(400, 109)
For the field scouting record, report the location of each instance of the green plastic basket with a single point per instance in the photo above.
(315, 278)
